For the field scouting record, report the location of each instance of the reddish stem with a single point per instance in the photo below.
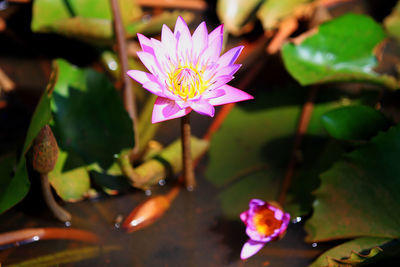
(301, 131)
(128, 95)
(35, 234)
(187, 161)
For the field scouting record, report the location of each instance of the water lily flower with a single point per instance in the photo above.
(188, 72)
(264, 223)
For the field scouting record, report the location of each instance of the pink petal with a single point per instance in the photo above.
(161, 54)
(212, 94)
(203, 107)
(154, 87)
(228, 70)
(182, 34)
(168, 39)
(243, 217)
(250, 248)
(165, 109)
(229, 57)
(231, 95)
(145, 43)
(200, 39)
(141, 76)
(217, 32)
(219, 81)
(212, 52)
(150, 63)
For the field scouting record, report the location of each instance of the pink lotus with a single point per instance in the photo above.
(265, 222)
(187, 72)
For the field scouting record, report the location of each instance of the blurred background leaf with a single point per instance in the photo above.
(341, 50)
(354, 122)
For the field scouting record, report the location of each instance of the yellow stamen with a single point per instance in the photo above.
(186, 82)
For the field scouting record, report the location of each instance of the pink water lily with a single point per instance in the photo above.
(187, 72)
(264, 223)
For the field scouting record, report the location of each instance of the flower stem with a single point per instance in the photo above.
(128, 95)
(58, 211)
(305, 117)
(187, 161)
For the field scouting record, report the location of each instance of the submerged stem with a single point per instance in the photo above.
(305, 117)
(58, 211)
(187, 161)
(128, 95)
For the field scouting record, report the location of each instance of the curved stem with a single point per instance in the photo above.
(305, 117)
(29, 235)
(58, 211)
(187, 161)
(128, 95)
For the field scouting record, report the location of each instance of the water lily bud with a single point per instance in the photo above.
(44, 151)
(146, 213)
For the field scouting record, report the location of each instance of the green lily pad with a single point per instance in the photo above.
(274, 11)
(90, 121)
(235, 14)
(354, 122)
(352, 252)
(359, 196)
(83, 19)
(71, 185)
(392, 22)
(341, 50)
(248, 156)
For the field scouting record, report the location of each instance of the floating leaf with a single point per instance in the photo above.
(341, 50)
(351, 253)
(354, 122)
(89, 118)
(235, 14)
(90, 20)
(248, 156)
(359, 195)
(274, 11)
(71, 185)
(392, 22)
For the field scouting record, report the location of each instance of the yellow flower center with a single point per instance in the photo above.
(265, 221)
(186, 82)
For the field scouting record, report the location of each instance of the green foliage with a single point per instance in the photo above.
(392, 22)
(89, 118)
(352, 252)
(354, 122)
(248, 156)
(70, 185)
(274, 11)
(341, 50)
(359, 196)
(14, 188)
(90, 20)
(90, 125)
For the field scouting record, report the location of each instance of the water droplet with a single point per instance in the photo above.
(161, 182)
(190, 188)
(147, 192)
(296, 220)
(67, 223)
(112, 65)
(314, 245)
(35, 238)
(116, 156)
(118, 221)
